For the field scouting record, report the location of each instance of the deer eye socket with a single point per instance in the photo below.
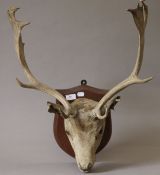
(101, 130)
(67, 132)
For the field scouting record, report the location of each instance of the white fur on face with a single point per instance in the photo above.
(84, 133)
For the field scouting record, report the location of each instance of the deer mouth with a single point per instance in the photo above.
(86, 169)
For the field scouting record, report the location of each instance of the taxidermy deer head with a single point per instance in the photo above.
(84, 118)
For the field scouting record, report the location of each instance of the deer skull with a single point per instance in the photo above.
(84, 118)
(85, 133)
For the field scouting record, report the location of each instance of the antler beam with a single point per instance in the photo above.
(140, 16)
(33, 82)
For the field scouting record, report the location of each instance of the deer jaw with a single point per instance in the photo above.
(84, 133)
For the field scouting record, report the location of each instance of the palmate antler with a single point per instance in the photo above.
(33, 82)
(140, 15)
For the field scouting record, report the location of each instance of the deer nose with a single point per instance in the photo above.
(87, 168)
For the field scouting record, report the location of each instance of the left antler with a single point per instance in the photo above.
(33, 82)
(140, 15)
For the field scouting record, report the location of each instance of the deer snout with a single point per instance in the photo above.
(86, 168)
(85, 160)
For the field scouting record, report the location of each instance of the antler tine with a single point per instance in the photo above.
(140, 15)
(17, 27)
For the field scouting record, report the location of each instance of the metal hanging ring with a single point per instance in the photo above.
(83, 82)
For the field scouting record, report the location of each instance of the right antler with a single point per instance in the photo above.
(33, 82)
(140, 15)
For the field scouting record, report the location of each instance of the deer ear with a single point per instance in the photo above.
(55, 108)
(110, 105)
(116, 100)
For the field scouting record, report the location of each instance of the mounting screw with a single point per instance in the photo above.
(83, 82)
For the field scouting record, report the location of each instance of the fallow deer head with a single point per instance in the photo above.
(84, 118)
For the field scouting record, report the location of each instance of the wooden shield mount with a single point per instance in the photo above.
(58, 125)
